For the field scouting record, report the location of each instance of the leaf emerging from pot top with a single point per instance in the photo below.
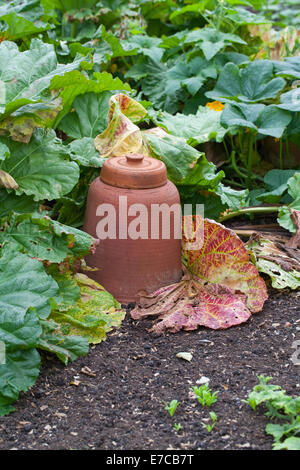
(121, 136)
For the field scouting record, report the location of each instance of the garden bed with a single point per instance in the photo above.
(209, 89)
(120, 404)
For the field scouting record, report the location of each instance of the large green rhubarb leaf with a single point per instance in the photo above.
(83, 152)
(41, 168)
(19, 331)
(195, 128)
(9, 202)
(73, 84)
(118, 48)
(65, 5)
(26, 75)
(252, 84)
(88, 116)
(32, 10)
(18, 27)
(23, 284)
(19, 373)
(46, 239)
(67, 348)
(186, 166)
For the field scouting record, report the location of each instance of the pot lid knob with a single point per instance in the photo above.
(134, 171)
(134, 158)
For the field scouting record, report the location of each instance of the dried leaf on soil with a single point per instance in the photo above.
(279, 261)
(294, 242)
(221, 290)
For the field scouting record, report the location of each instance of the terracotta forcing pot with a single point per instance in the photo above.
(134, 211)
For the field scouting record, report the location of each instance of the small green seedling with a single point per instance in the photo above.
(214, 418)
(177, 427)
(171, 407)
(204, 395)
(283, 411)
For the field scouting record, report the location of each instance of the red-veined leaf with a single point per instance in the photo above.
(220, 290)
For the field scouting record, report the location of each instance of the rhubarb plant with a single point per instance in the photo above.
(84, 81)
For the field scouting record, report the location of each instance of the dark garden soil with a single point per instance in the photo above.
(119, 405)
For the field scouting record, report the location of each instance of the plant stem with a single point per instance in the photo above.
(234, 183)
(240, 142)
(250, 161)
(244, 233)
(280, 155)
(226, 150)
(250, 210)
(125, 63)
(73, 29)
(288, 153)
(220, 14)
(235, 167)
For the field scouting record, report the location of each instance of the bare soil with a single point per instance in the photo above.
(119, 405)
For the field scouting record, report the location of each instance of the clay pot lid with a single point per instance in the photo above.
(134, 171)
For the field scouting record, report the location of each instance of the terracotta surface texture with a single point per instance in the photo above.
(127, 266)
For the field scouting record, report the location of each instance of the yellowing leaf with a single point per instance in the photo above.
(121, 136)
(278, 261)
(7, 181)
(95, 313)
(21, 128)
(128, 106)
